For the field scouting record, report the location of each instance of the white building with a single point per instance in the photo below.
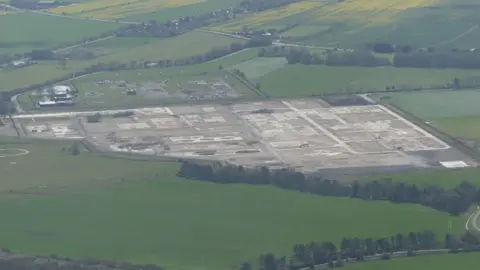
(61, 89)
(61, 92)
(58, 95)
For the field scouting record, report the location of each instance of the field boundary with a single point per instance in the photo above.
(434, 131)
(249, 85)
(92, 148)
(400, 255)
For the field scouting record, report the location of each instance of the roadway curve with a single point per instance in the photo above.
(473, 221)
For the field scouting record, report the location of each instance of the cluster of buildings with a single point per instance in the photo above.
(57, 95)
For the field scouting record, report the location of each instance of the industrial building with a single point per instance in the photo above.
(57, 95)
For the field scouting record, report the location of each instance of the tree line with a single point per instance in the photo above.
(295, 55)
(359, 249)
(334, 57)
(5, 106)
(441, 59)
(365, 58)
(17, 261)
(454, 201)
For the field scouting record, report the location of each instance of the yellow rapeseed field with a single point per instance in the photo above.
(373, 11)
(258, 19)
(364, 12)
(113, 9)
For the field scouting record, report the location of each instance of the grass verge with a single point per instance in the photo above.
(155, 217)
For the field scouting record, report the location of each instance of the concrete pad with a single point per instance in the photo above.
(301, 134)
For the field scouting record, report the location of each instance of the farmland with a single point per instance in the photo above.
(102, 222)
(173, 48)
(433, 262)
(434, 105)
(80, 172)
(152, 73)
(159, 90)
(172, 13)
(56, 197)
(108, 9)
(256, 68)
(185, 45)
(453, 112)
(29, 31)
(354, 23)
(302, 80)
(86, 85)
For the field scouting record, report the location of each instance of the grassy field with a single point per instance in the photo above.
(121, 43)
(154, 217)
(434, 105)
(172, 13)
(354, 23)
(189, 44)
(302, 80)
(119, 99)
(172, 48)
(114, 9)
(468, 127)
(453, 112)
(38, 31)
(304, 30)
(256, 68)
(92, 96)
(433, 262)
(148, 74)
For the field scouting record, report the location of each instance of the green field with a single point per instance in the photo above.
(48, 169)
(453, 112)
(256, 68)
(302, 80)
(177, 12)
(434, 105)
(106, 97)
(121, 43)
(27, 31)
(148, 74)
(431, 262)
(78, 206)
(189, 44)
(110, 98)
(355, 23)
(182, 46)
(468, 127)
(304, 30)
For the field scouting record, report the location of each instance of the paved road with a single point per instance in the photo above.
(277, 43)
(473, 222)
(82, 43)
